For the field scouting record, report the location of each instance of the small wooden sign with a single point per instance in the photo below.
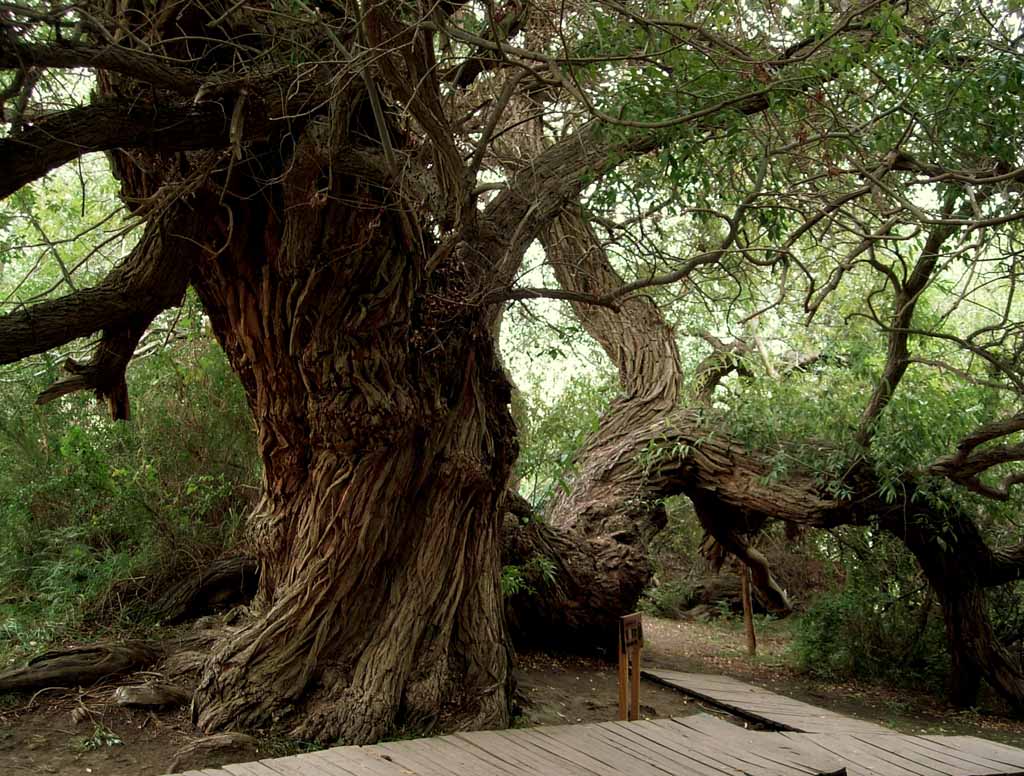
(631, 631)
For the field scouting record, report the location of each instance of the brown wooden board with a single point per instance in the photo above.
(330, 765)
(497, 747)
(526, 758)
(249, 769)
(608, 748)
(353, 759)
(712, 750)
(984, 758)
(536, 761)
(794, 754)
(686, 761)
(864, 758)
(294, 765)
(731, 746)
(412, 756)
(555, 748)
(477, 760)
(700, 745)
(761, 705)
(1002, 753)
(614, 757)
(962, 763)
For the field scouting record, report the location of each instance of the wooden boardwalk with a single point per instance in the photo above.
(762, 706)
(700, 745)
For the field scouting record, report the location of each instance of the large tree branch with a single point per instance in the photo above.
(72, 54)
(634, 335)
(152, 278)
(108, 124)
(969, 462)
(539, 191)
(907, 293)
(1006, 565)
(503, 25)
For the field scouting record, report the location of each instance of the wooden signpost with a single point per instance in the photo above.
(631, 641)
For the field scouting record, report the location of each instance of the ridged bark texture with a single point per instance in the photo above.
(383, 420)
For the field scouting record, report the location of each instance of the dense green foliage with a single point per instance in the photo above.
(881, 623)
(96, 513)
(97, 517)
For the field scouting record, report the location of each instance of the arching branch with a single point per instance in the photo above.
(59, 138)
(969, 462)
(152, 278)
(72, 54)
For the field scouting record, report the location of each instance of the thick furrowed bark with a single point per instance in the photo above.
(370, 607)
(609, 491)
(594, 581)
(386, 458)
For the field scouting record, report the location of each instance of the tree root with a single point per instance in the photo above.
(81, 666)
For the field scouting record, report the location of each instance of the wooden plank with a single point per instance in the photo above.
(248, 769)
(961, 764)
(729, 747)
(761, 705)
(901, 746)
(489, 742)
(1008, 755)
(555, 748)
(704, 752)
(445, 760)
(640, 746)
(701, 745)
(606, 747)
(465, 749)
(293, 765)
(342, 761)
(353, 759)
(407, 757)
(864, 758)
(533, 759)
(781, 750)
(983, 761)
(518, 761)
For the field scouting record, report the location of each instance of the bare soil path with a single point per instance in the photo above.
(65, 733)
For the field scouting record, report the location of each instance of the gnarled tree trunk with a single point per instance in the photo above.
(959, 566)
(597, 530)
(385, 432)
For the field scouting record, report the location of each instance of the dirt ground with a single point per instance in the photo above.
(64, 733)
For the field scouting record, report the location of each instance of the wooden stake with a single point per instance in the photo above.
(634, 690)
(748, 609)
(631, 641)
(623, 659)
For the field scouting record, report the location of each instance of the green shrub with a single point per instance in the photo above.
(668, 599)
(95, 516)
(883, 624)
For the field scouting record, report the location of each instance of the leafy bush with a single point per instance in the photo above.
(95, 514)
(882, 624)
(552, 433)
(666, 600)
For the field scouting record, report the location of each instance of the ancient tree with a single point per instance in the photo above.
(349, 188)
(895, 226)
